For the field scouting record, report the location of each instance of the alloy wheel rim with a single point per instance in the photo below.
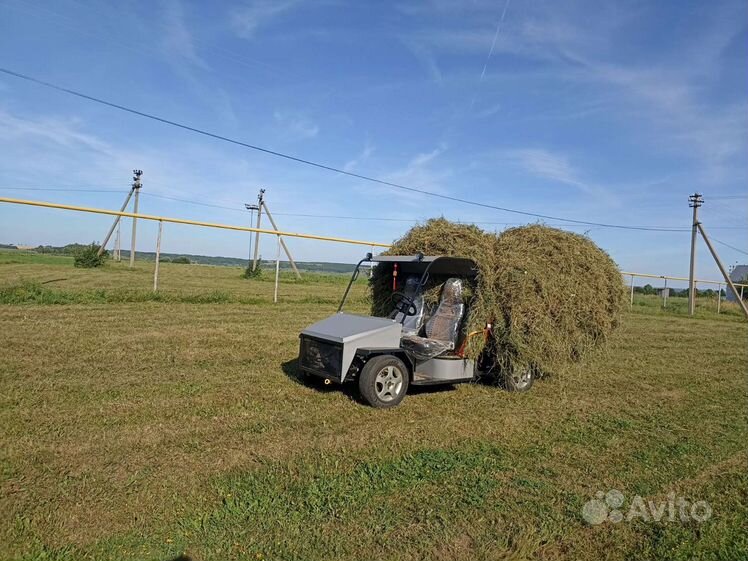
(522, 378)
(388, 383)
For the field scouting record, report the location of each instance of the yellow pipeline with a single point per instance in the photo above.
(262, 231)
(192, 222)
(628, 274)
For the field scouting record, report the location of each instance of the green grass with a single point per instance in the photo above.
(142, 427)
(705, 306)
(22, 257)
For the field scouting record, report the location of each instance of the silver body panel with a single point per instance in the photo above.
(355, 332)
(444, 369)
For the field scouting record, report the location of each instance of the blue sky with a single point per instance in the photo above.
(599, 111)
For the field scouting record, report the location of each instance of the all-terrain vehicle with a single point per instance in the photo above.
(414, 346)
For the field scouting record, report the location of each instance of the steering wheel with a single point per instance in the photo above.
(404, 304)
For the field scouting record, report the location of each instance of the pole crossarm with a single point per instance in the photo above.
(190, 222)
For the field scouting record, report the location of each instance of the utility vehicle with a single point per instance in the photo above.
(416, 345)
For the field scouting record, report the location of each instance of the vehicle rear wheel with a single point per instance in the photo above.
(383, 381)
(519, 378)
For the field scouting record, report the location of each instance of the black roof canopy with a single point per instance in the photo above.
(435, 264)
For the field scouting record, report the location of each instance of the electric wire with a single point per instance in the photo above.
(61, 189)
(238, 208)
(317, 164)
(728, 245)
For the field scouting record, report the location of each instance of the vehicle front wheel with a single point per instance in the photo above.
(383, 381)
(519, 378)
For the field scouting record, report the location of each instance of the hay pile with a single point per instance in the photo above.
(551, 295)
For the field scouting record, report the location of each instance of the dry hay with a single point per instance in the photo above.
(551, 295)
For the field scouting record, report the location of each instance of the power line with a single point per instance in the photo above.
(319, 165)
(320, 216)
(61, 189)
(728, 245)
(339, 217)
(198, 203)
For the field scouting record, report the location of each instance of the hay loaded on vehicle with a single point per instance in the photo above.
(451, 303)
(420, 343)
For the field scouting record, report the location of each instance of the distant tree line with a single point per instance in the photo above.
(648, 289)
(311, 266)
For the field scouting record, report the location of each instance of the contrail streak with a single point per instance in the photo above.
(490, 52)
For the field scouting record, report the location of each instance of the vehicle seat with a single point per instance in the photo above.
(411, 324)
(442, 327)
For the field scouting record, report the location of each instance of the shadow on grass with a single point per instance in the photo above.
(291, 369)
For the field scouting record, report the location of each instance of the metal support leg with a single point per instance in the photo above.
(277, 271)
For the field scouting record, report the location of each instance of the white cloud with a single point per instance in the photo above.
(425, 57)
(250, 17)
(714, 135)
(362, 157)
(61, 132)
(177, 40)
(297, 126)
(420, 160)
(553, 166)
(421, 172)
(488, 111)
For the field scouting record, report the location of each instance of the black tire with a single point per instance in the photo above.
(519, 378)
(383, 381)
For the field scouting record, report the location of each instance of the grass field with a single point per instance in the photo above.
(136, 427)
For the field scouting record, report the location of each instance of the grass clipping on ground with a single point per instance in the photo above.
(550, 295)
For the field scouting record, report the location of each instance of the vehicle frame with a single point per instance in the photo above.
(346, 348)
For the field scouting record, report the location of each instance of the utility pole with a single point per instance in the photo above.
(722, 270)
(281, 242)
(694, 201)
(251, 209)
(257, 234)
(136, 188)
(115, 224)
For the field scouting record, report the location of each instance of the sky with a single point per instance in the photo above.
(600, 111)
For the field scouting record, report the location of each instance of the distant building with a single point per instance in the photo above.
(738, 273)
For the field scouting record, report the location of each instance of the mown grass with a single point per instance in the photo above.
(26, 280)
(706, 306)
(148, 430)
(25, 257)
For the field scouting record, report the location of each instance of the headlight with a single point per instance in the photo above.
(321, 356)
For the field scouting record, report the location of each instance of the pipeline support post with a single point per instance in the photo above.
(277, 271)
(158, 255)
(631, 300)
